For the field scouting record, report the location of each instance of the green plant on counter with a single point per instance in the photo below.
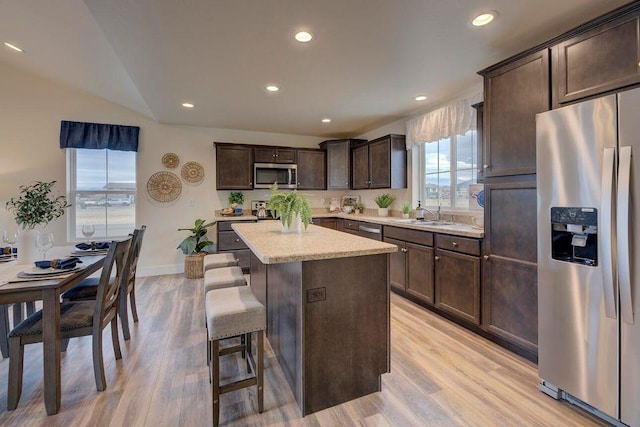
(198, 240)
(406, 207)
(358, 206)
(383, 200)
(37, 205)
(286, 205)
(236, 197)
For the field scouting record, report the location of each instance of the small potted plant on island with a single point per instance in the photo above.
(36, 206)
(383, 201)
(406, 208)
(236, 199)
(289, 206)
(193, 246)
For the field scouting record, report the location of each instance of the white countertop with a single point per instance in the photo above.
(267, 241)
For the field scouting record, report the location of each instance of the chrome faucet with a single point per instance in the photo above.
(436, 215)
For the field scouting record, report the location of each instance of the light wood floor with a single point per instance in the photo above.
(441, 375)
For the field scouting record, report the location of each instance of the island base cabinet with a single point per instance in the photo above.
(320, 316)
(457, 278)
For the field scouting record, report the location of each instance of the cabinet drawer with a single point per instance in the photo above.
(351, 225)
(229, 240)
(226, 225)
(413, 236)
(458, 244)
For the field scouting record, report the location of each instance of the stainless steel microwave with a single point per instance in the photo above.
(265, 174)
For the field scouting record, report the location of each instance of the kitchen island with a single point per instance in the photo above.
(327, 299)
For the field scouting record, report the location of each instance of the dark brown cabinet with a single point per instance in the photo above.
(381, 163)
(350, 226)
(275, 155)
(229, 241)
(510, 297)
(514, 93)
(457, 277)
(411, 268)
(311, 169)
(234, 167)
(326, 222)
(601, 60)
(339, 162)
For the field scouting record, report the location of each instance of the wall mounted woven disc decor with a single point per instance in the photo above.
(192, 172)
(170, 160)
(164, 186)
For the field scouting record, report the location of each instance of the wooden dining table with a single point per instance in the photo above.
(48, 290)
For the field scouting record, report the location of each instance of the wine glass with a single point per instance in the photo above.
(88, 230)
(10, 238)
(44, 242)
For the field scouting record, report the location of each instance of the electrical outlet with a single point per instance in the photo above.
(191, 203)
(317, 294)
(323, 200)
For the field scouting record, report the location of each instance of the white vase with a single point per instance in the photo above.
(383, 211)
(405, 216)
(294, 227)
(27, 252)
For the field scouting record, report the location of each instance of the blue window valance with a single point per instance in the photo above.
(98, 136)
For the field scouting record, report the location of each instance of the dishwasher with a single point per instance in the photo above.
(371, 231)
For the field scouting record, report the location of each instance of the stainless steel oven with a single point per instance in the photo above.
(265, 174)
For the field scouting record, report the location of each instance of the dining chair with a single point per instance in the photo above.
(5, 325)
(86, 290)
(77, 319)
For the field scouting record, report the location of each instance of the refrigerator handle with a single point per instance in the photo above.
(606, 222)
(623, 236)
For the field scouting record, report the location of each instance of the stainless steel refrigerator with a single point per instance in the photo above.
(588, 255)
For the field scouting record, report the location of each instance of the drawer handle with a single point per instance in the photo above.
(237, 240)
(486, 257)
(437, 257)
(454, 243)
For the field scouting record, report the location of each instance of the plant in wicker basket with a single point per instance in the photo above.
(192, 247)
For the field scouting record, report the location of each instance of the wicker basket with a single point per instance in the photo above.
(194, 265)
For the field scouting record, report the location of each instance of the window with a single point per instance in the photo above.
(447, 168)
(102, 190)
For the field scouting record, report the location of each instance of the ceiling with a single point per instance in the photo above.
(366, 63)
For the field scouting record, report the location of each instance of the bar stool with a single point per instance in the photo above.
(223, 277)
(218, 260)
(231, 312)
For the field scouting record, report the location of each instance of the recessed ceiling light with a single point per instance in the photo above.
(272, 88)
(327, 120)
(484, 18)
(13, 46)
(187, 105)
(420, 98)
(303, 37)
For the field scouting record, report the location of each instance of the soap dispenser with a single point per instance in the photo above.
(419, 212)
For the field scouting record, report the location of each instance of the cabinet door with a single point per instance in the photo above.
(326, 222)
(420, 272)
(510, 288)
(457, 285)
(265, 155)
(234, 167)
(380, 163)
(338, 165)
(398, 265)
(311, 170)
(360, 167)
(600, 60)
(514, 94)
(285, 155)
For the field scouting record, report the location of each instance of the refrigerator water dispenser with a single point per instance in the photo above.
(574, 235)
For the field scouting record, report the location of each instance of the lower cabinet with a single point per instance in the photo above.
(326, 222)
(229, 241)
(457, 278)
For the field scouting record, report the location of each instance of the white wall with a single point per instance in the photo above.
(30, 113)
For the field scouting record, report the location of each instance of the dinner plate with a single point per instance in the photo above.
(37, 271)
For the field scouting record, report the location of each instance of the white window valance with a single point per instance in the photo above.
(456, 118)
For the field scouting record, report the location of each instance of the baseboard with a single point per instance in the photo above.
(159, 270)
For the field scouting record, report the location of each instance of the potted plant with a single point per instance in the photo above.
(358, 207)
(236, 199)
(383, 201)
(289, 206)
(36, 206)
(192, 247)
(406, 208)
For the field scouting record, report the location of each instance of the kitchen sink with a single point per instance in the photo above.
(419, 222)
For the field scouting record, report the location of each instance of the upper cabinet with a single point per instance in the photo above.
(339, 162)
(234, 167)
(603, 59)
(311, 169)
(514, 93)
(275, 155)
(381, 163)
